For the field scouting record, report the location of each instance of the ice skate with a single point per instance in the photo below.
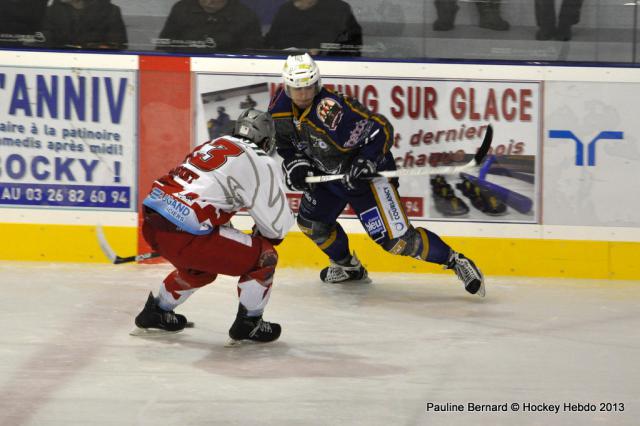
(467, 272)
(339, 273)
(155, 321)
(251, 329)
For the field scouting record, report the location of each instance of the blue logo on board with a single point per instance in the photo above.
(591, 146)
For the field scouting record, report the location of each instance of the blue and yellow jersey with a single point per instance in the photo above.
(331, 132)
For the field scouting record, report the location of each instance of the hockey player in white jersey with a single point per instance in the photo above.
(186, 220)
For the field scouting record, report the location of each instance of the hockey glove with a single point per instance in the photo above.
(295, 172)
(361, 169)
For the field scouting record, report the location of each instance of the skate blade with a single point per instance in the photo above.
(366, 280)
(233, 343)
(151, 332)
(481, 291)
(189, 324)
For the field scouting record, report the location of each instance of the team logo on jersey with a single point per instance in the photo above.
(373, 223)
(330, 113)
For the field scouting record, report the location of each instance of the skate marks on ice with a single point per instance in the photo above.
(276, 360)
(61, 320)
(369, 354)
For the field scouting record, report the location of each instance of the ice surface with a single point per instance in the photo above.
(372, 354)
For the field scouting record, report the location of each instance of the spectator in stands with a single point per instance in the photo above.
(202, 26)
(326, 27)
(21, 21)
(548, 27)
(489, 11)
(84, 24)
(392, 16)
(265, 9)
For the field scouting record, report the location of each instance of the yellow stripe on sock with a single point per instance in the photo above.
(330, 240)
(425, 243)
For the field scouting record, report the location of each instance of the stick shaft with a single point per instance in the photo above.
(424, 171)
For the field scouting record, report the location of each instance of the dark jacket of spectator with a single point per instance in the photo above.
(328, 27)
(189, 28)
(20, 20)
(549, 26)
(97, 25)
(265, 9)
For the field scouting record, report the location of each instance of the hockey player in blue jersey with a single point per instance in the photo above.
(319, 131)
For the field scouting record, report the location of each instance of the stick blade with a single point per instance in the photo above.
(118, 260)
(137, 258)
(486, 144)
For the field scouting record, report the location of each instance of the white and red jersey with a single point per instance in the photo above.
(216, 180)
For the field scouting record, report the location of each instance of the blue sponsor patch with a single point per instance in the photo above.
(373, 223)
(176, 212)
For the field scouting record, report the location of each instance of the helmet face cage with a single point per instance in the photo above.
(300, 71)
(258, 127)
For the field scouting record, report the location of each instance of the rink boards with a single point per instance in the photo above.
(497, 255)
(107, 125)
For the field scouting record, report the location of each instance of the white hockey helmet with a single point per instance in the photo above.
(258, 127)
(301, 71)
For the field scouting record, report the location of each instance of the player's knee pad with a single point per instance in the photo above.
(319, 232)
(180, 284)
(186, 279)
(265, 267)
(411, 243)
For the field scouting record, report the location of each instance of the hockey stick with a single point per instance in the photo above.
(422, 171)
(113, 257)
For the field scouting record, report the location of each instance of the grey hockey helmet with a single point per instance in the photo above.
(258, 127)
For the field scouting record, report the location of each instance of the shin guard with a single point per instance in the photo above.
(254, 288)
